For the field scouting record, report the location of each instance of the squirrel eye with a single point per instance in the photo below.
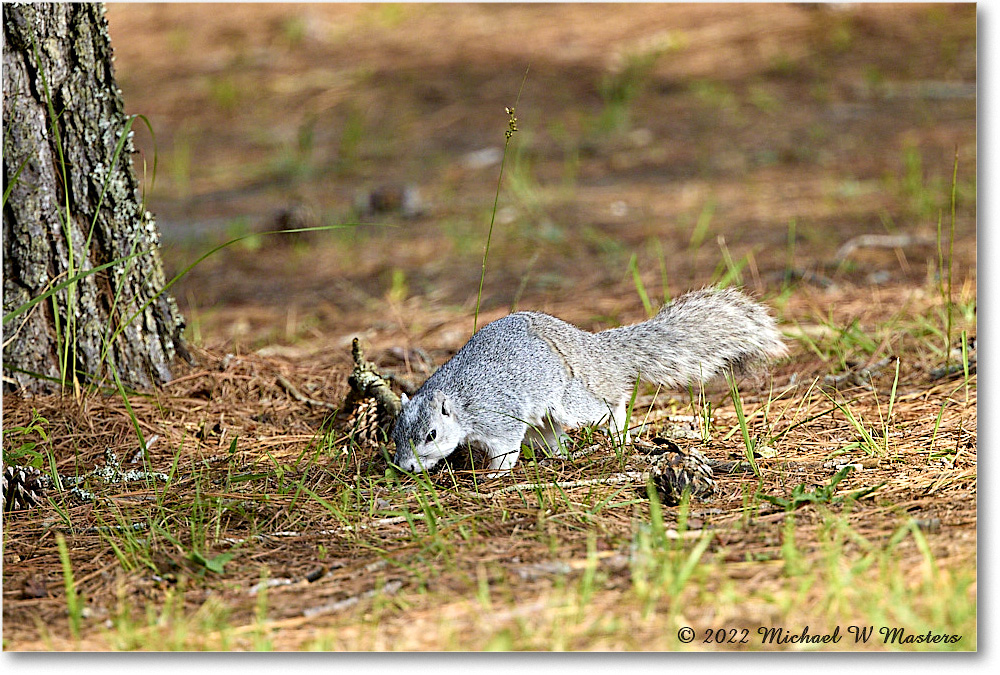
(432, 435)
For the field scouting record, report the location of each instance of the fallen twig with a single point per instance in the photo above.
(299, 396)
(393, 520)
(635, 477)
(880, 241)
(389, 589)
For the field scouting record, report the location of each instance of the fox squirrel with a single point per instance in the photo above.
(529, 376)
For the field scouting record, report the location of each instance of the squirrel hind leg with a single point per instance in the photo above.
(501, 461)
(547, 437)
(503, 449)
(618, 423)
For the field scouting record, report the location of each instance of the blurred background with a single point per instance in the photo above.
(672, 145)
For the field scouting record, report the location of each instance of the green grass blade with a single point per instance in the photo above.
(72, 280)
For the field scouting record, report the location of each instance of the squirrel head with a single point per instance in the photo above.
(427, 430)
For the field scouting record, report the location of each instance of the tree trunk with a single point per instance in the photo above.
(74, 206)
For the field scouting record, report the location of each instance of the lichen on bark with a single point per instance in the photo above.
(72, 207)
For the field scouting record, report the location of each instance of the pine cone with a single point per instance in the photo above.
(363, 422)
(675, 470)
(23, 487)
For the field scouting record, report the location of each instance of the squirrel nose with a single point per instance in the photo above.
(408, 464)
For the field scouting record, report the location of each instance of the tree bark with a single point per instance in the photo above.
(72, 207)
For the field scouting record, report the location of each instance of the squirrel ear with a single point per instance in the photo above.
(441, 399)
(404, 399)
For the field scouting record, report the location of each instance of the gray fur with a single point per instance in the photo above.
(531, 371)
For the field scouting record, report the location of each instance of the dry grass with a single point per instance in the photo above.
(367, 561)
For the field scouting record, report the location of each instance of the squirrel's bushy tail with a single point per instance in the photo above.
(698, 336)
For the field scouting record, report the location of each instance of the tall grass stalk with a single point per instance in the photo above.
(511, 129)
(945, 280)
(131, 414)
(63, 336)
(951, 256)
(748, 443)
(892, 400)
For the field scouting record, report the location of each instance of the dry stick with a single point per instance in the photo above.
(637, 477)
(584, 452)
(185, 378)
(299, 396)
(880, 241)
(389, 588)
